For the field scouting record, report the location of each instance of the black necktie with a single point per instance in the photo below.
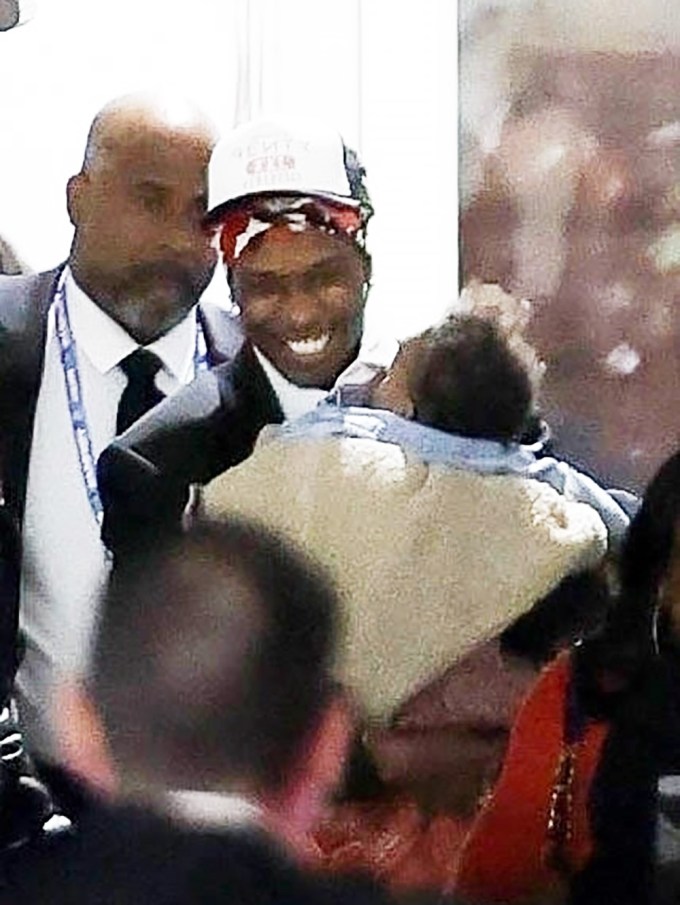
(141, 392)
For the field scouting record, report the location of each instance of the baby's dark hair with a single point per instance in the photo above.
(470, 377)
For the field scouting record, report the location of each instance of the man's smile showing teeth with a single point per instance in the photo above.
(308, 346)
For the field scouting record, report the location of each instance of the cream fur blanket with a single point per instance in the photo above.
(429, 560)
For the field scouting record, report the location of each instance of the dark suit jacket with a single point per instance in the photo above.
(211, 427)
(127, 856)
(190, 438)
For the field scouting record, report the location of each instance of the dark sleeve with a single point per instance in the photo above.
(623, 796)
(623, 816)
(571, 611)
(191, 437)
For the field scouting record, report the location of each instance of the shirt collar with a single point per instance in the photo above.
(374, 354)
(295, 401)
(214, 809)
(106, 343)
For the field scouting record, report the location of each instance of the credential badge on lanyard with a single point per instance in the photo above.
(74, 392)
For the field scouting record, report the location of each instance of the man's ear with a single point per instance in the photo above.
(392, 391)
(81, 741)
(327, 757)
(75, 191)
(367, 267)
(319, 769)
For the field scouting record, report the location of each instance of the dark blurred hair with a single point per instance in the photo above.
(469, 377)
(649, 542)
(627, 637)
(213, 658)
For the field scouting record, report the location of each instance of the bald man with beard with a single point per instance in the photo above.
(85, 350)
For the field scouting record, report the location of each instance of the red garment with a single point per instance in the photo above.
(394, 842)
(447, 747)
(508, 855)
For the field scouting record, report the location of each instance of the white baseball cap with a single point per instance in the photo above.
(265, 157)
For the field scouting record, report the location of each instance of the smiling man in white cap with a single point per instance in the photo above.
(290, 208)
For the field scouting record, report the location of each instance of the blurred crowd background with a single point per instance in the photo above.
(570, 196)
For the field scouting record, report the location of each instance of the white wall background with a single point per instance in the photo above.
(385, 73)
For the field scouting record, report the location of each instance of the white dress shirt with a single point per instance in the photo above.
(64, 567)
(293, 399)
(214, 810)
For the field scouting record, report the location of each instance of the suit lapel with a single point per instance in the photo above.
(227, 343)
(23, 325)
(223, 334)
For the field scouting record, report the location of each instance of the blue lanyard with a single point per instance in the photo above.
(74, 393)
